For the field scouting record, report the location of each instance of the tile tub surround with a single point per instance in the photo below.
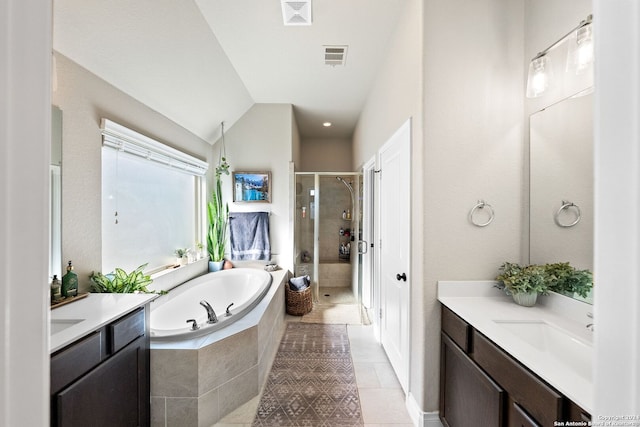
(196, 382)
(479, 303)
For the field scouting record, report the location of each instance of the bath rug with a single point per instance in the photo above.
(312, 382)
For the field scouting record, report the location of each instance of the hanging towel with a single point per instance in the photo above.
(249, 234)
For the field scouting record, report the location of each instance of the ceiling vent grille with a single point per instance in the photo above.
(296, 12)
(335, 55)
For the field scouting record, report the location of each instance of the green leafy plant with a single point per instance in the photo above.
(121, 282)
(217, 215)
(565, 279)
(180, 252)
(517, 279)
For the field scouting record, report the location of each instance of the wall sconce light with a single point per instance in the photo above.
(579, 57)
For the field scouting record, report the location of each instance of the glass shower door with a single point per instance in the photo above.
(305, 226)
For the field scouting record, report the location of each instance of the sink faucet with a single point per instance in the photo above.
(590, 325)
(211, 315)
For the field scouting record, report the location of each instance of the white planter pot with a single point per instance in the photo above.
(526, 300)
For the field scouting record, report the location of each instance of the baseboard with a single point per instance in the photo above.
(420, 418)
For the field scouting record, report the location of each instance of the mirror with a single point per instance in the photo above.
(561, 184)
(55, 199)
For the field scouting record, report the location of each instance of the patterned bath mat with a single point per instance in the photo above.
(311, 382)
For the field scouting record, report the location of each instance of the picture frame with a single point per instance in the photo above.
(251, 187)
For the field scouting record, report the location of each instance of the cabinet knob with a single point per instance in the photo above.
(402, 277)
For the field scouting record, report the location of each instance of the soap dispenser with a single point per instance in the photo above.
(70, 283)
(55, 289)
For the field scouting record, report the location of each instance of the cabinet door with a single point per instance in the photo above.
(113, 394)
(467, 395)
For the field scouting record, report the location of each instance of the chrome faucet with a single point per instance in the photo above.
(590, 325)
(211, 315)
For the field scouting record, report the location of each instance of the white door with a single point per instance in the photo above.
(394, 208)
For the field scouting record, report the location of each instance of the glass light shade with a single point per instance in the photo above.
(539, 76)
(580, 55)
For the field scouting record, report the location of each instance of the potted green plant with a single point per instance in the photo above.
(121, 282)
(181, 256)
(523, 283)
(565, 279)
(217, 214)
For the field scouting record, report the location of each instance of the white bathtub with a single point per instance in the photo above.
(244, 287)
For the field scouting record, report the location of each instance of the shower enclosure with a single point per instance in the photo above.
(327, 229)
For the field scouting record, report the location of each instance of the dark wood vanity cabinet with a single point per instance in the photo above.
(103, 379)
(482, 385)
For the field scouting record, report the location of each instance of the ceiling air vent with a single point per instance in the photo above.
(296, 12)
(335, 55)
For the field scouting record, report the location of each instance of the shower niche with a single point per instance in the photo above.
(326, 229)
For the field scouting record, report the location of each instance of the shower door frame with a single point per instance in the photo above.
(315, 285)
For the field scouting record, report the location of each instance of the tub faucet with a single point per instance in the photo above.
(211, 315)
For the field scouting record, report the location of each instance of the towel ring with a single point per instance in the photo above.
(565, 206)
(481, 205)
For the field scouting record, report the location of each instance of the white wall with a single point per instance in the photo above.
(326, 155)
(25, 138)
(617, 205)
(84, 99)
(262, 140)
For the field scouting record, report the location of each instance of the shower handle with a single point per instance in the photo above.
(362, 244)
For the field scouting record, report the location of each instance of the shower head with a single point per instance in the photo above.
(339, 178)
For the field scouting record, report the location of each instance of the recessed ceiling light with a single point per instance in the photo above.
(327, 124)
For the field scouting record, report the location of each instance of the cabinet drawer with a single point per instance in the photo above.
(518, 417)
(575, 413)
(76, 360)
(538, 399)
(127, 329)
(457, 329)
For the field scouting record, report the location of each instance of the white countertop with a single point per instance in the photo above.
(91, 313)
(481, 304)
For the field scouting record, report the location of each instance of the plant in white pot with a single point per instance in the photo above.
(524, 284)
(218, 215)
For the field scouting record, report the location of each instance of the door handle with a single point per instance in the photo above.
(402, 277)
(362, 244)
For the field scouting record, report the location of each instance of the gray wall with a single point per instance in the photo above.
(462, 87)
(84, 100)
(263, 140)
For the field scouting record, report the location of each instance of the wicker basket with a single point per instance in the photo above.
(298, 302)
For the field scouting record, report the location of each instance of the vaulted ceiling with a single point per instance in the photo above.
(201, 62)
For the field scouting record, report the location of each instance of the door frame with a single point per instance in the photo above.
(370, 296)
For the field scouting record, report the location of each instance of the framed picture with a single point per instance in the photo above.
(252, 187)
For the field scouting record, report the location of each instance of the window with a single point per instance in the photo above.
(152, 200)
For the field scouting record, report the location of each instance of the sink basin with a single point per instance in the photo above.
(58, 325)
(573, 353)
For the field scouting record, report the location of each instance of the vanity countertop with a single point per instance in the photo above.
(491, 312)
(73, 321)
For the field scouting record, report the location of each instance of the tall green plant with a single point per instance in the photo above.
(216, 213)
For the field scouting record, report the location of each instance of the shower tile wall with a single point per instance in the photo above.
(334, 199)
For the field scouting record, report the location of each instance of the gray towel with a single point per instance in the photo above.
(249, 234)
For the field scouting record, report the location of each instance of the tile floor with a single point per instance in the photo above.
(381, 398)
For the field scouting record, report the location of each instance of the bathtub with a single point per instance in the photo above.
(242, 287)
